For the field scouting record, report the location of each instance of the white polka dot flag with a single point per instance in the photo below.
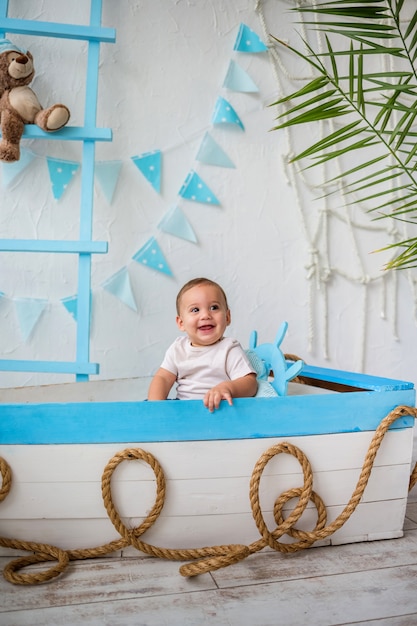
(151, 256)
(71, 304)
(149, 163)
(248, 41)
(61, 173)
(195, 189)
(224, 113)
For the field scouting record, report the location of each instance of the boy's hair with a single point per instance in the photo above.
(194, 283)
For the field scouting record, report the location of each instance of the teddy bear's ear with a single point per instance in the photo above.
(7, 46)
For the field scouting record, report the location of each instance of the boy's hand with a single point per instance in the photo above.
(243, 387)
(216, 394)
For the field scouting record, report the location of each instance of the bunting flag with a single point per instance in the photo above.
(107, 175)
(212, 154)
(175, 223)
(119, 285)
(224, 113)
(149, 163)
(195, 189)
(10, 171)
(61, 173)
(248, 41)
(151, 255)
(70, 304)
(238, 80)
(28, 312)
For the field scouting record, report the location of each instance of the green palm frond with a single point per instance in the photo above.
(380, 107)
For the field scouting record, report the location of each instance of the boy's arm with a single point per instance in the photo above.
(244, 387)
(161, 384)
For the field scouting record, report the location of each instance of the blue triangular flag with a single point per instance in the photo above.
(224, 113)
(175, 223)
(10, 171)
(238, 80)
(119, 285)
(151, 255)
(28, 312)
(107, 174)
(195, 189)
(61, 173)
(149, 163)
(248, 41)
(70, 304)
(211, 153)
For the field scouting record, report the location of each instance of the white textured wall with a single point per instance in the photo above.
(158, 87)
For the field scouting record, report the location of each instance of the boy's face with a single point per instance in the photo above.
(203, 315)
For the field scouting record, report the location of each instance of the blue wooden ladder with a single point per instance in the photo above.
(94, 34)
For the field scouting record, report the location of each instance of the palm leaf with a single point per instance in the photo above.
(387, 124)
(342, 134)
(363, 143)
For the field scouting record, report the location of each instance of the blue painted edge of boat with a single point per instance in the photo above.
(170, 420)
(354, 379)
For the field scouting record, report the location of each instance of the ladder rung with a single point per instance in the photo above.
(45, 245)
(74, 133)
(54, 29)
(56, 367)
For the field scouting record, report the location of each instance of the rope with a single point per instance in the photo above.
(6, 479)
(205, 559)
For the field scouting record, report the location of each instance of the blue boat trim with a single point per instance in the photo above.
(189, 420)
(354, 379)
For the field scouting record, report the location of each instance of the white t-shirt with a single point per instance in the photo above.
(199, 369)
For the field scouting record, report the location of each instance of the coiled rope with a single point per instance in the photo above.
(209, 558)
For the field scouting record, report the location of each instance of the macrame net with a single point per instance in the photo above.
(328, 222)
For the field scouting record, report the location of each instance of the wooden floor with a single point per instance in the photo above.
(373, 583)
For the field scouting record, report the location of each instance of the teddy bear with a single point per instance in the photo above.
(19, 105)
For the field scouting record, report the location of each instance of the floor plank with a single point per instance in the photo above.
(99, 580)
(370, 583)
(362, 583)
(332, 600)
(320, 562)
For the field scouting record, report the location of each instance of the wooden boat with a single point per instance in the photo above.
(59, 439)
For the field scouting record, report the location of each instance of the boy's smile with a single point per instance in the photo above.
(204, 315)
